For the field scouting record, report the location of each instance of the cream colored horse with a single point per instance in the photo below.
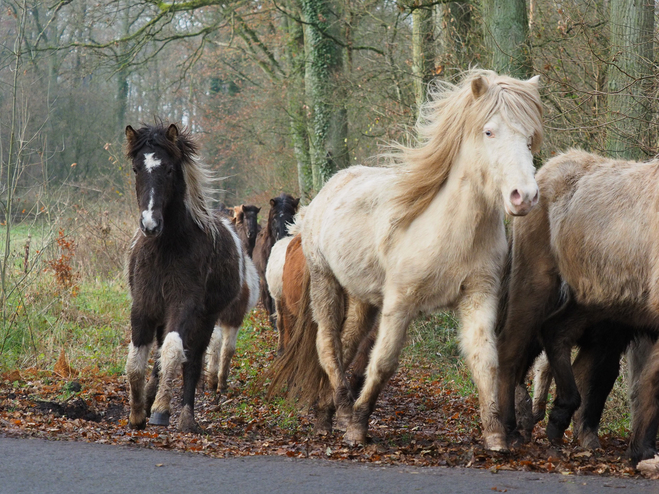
(422, 234)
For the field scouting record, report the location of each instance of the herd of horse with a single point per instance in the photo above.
(343, 277)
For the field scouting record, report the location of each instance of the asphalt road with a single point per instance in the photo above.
(39, 466)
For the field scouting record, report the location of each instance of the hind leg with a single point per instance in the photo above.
(171, 358)
(638, 355)
(229, 337)
(394, 321)
(327, 302)
(360, 319)
(559, 333)
(596, 369)
(213, 358)
(642, 445)
(542, 378)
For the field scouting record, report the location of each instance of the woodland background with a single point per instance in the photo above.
(280, 94)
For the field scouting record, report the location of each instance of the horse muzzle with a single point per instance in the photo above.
(522, 201)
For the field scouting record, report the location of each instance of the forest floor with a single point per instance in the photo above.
(420, 420)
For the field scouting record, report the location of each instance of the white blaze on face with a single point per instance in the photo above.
(150, 162)
(147, 216)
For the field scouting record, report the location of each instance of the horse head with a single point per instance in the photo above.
(156, 160)
(250, 218)
(282, 212)
(512, 132)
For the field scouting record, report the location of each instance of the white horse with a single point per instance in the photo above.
(423, 234)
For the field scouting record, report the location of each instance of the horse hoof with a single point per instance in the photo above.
(140, 426)
(554, 434)
(187, 423)
(495, 441)
(355, 436)
(343, 417)
(589, 440)
(159, 418)
(137, 421)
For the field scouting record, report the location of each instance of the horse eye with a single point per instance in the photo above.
(135, 170)
(489, 133)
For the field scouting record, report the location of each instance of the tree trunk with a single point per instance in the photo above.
(629, 99)
(296, 109)
(452, 31)
(326, 100)
(506, 34)
(423, 56)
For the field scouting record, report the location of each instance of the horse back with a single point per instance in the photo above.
(601, 219)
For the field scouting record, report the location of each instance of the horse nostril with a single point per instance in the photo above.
(534, 201)
(516, 197)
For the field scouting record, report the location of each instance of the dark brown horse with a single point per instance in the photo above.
(245, 219)
(585, 266)
(186, 268)
(293, 338)
(282, 212)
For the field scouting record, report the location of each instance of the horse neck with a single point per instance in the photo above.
(177, 219)
(469, 198)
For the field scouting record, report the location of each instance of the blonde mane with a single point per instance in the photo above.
(452, 113)
(199, 180)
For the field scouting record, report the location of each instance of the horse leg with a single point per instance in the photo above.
(359, 321)
(213, 358)
(478, 312)
(154, 380)
(542, 378)
(171, 358)
(280, 326)
(360, 362)
(638, 355)
(559, 332)
(524, 412)
(327, 303)
(382, 365)
(143, 330)
(642, 445)
(138, 357)
(229, 337)
(596, 369)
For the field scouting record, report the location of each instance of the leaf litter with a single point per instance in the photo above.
(420, 420)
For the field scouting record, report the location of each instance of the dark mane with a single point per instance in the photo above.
(185, 149)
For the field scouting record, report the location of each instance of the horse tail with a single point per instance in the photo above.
(297, 374)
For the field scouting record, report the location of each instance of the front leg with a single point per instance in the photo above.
(143, 331)
(478, 311)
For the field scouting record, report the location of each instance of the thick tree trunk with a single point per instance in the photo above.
(296, 101)
(324, 71)
(506, 26)
(423, 53)
(452, 31)
(629, 99)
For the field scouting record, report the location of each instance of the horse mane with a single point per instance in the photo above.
(451, 113)
(198, 177)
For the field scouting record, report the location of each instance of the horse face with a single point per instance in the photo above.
(155, 186)
(284, 213)
(251, 220)
(507, 147)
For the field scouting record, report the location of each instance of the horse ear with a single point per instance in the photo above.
(479, 86)
(296, 202)
(534, 80)
(172, 133)
(131, 135)
(272, 202)
(258, 210)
